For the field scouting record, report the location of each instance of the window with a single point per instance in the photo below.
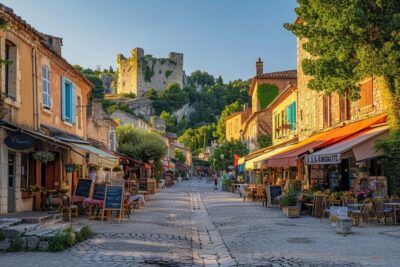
(291, 115)
(112, 139)
(68, 101)
(11, 71)
(345, 113)
(366, 96)
(327, 114)
(46, 87)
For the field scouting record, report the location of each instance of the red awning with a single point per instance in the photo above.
(289, 157)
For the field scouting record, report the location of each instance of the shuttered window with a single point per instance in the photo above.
(46, 87)
(68, 100)
(366, 92)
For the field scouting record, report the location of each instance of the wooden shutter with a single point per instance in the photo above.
(366, 93)
(63, 95)
(293, 125)
(73, 104)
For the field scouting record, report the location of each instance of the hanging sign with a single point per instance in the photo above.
(323, 159)
(19, 141)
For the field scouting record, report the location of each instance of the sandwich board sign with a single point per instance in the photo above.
(113, 200)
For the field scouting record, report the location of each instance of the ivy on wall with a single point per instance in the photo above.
(168, 73)
(147, 70)
(266, 93)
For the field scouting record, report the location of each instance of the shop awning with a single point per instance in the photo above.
(257, 162)
(98, 156)
(289, 157)
(362, 145)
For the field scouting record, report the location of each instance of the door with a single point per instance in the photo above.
(11, 183)
(345, 177)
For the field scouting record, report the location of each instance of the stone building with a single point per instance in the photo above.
(108, 82)
(140, 72)
(260, 121)
(317, 112)
(234, 128)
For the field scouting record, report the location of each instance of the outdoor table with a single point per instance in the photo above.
(394, 206)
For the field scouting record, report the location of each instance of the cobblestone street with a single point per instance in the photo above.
(190, 224)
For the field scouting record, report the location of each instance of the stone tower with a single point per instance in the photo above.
(141, 72)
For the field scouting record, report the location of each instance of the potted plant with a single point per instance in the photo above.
(31, 191)
(289, 204)
(44, 156)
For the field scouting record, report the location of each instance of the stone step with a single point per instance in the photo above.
(48, 231)
(19, 229)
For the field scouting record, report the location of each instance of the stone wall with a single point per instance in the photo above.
(140, 72)
(310, 104)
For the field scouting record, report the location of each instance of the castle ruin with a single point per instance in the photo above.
(140, 72)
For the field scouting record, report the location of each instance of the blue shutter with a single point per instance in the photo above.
(73, 104)
(294, 115)
(63, 106)
(289, 116)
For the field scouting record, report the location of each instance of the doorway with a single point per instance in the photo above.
(345, 177)
(11, 183)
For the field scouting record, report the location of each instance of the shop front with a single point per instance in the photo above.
(352, 164)
(31, 165)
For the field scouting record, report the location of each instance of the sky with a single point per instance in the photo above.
(221, 37)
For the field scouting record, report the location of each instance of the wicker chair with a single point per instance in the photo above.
(325, 207)
(260, 193)
(247, 193)
(362, 215)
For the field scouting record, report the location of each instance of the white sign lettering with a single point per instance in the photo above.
(323, 159)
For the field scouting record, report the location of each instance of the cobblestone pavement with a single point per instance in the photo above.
(190, 224)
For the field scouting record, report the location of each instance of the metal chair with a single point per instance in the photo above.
(325, 207)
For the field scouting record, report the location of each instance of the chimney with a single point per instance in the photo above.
(54, 43)
(259, 67)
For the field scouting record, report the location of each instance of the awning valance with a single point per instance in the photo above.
(256, 163)
(362, 144)
(98, 156)
(289, 157)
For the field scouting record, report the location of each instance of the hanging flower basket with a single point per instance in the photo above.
(44, 156)
(93, 167)
(117, 169)
(70, 167)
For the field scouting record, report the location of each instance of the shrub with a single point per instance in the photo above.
(62, 240)
(16, 245)
(86, 232)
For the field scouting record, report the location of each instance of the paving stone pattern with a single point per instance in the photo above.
(190, 224)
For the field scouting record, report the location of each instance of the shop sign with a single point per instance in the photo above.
(19, 141)
(323, 159)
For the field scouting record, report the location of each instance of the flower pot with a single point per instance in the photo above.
(291, 211)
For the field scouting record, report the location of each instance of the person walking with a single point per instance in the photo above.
(215, 181)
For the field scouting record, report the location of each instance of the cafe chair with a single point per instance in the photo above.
(69, 209)
(248, 193)
(260, 193)
(325, 207)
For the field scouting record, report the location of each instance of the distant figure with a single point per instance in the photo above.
(267, 180)
(215, 181)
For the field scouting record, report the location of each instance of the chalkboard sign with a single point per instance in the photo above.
(113, 197)
(143, 185)
(83, 188)
(273, 191)
(99, 191)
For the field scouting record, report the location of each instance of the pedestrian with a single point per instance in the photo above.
(215, 181)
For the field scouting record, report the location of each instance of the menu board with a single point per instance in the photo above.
(273, 191)
(143, 185)
(83, 188)
(113, 197)
(99, 191)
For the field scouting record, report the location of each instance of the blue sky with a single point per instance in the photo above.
(222, 37)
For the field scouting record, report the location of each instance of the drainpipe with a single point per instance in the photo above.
(35, 92)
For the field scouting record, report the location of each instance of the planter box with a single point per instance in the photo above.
(291, 211)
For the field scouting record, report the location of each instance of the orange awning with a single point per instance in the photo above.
(289, 157)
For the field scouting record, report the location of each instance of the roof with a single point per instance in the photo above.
(41, 39)
(286, 74)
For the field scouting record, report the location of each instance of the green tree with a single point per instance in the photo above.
(201, 78)
(228, 150)
(221, 128)
(171, 98)
(179, 156)
(151, 94)
(170, 121)
(139, 144)
(349, 41)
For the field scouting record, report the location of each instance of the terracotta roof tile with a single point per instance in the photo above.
(287, 74)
